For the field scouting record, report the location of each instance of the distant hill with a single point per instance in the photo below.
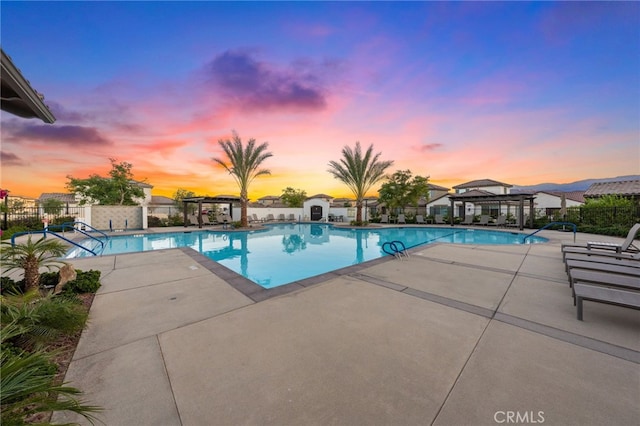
(581, 185)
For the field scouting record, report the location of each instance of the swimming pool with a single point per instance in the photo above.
(284, 253)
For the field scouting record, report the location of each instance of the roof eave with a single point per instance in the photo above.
(32, 101)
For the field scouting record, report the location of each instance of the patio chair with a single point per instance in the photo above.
(605, 287)
(205, 220)
(401, 219)
(384, 218)
(439, 220)
(270, 218)
(500, 221)
(193, 220)
(281, 217)
(420, 219)
(601, 257)
(484, 220)
(516, 223)
(292, 217)
(468, 220)
(596, 293)
(626, 246)
(614, 266)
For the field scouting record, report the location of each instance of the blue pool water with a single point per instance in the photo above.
(284, 253)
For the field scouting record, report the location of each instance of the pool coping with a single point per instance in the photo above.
(258, 293)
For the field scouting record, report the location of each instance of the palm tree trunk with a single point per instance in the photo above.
(243, 214)
(31, 274)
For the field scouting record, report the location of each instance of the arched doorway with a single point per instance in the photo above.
(316, 212)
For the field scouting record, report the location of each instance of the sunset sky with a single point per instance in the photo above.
(522, 93)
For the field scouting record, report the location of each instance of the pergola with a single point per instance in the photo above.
(219, 199)
(509, 199)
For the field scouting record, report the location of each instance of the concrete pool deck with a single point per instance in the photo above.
(453, 335)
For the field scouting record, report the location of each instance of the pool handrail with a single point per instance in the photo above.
(65, 225)
(45, 232)
(524, 240)
(395, 250)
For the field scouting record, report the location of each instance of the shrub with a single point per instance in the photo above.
(9, 286)
(13, 230)
(62, 219)
(40, 320)
(85, 282)
(155, 222)
(175, 220)
(28, 385)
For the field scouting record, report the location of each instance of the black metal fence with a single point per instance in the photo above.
(604, 216)
(33, 217)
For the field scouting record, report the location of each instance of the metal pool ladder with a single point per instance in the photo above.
(396, 249)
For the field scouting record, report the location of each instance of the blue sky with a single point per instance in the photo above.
(518, 92)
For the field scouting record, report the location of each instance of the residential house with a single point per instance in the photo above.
(162, 207)
(269, 200)
(481, 187)
(625, 188)
(549, 203)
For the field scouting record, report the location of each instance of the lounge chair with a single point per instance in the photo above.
(626, 246)
(281, 217)
(270, 218)
(596, 252)
(468, 220)
(384, 218)
(292, 217)
(484, 220)
(439, 220)
(517, 221)
(613, 267)
(500, 221)
(420, 219)
(401, 219)
(596, 293)
(599, 258)
(205, 220)
(605, 287)
(193, 220)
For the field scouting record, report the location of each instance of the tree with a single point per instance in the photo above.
(359, 172)
(52, 206)
(119, 189)
(180, 195)
(401, 190)
(29, 385)
(16, 205)
(244, 166)
(608, 200)
(293, 197)
(31, 256)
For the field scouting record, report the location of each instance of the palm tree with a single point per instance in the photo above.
(244, 166)
(29, 385)
(31, 256)
(359, 172)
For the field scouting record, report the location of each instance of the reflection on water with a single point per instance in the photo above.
(284, 253)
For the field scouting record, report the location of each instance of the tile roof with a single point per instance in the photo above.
(481, 183)
(622, 187)
(577, 196)
(437, 187)
(159, 199)
(62, 196)
(325, 196)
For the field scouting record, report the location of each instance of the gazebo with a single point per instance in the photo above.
(508, 199)
(219, 199)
